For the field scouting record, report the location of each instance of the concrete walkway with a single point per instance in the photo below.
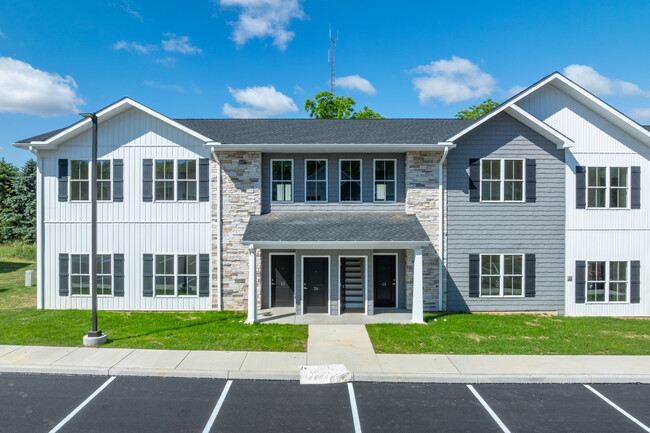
(328, 344)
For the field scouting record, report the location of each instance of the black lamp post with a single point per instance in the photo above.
(95, 336)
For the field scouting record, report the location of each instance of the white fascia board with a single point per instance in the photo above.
(336, 245)
(542, 128)
(329, 147)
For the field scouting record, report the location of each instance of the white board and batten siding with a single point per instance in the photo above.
(132, 227)
(598, 234)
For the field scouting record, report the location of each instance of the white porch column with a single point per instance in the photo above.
(252, 287)
(418, 289)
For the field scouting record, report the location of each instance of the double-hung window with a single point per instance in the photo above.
(164, 280)
(350, 180)
(502, 180)
(186, 180)
(607, 283)
(316, 180)
(597, 187)
(104, 180)
(104, 275)
(79, 274)
(179, 281)
(186, 281)
(164, 180)
(502, 275)
(79, 180)
(281, 180)
(385, 180)
(598, 182)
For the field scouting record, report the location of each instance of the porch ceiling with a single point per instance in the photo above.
(316, 230)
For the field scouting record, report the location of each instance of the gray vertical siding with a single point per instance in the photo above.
(479, 228)
(332, 183)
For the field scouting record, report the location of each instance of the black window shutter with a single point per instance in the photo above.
(204, 179)
(64, 274)
(474, 180)
(118, 275)
(147, 275)
(635, 181)
(63, 180)
(581, 187)
(581, 282)
(531, 181)
(530, 276)
(474, 275)
(118, 180)
(147, 180)
(204, 275)
(635, 282)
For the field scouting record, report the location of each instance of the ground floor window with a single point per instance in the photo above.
(607, 281)
(80, 274)
(104, 275)
(181, 280)
(502, 275)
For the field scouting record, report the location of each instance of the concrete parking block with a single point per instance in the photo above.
(35, 355)
(8, 349)
(147, 359)
(280, 362)
(93, 357)
(427, 364)
(212, 361)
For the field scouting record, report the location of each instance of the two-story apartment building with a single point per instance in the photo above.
(541, 205)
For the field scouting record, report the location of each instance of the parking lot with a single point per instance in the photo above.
(51, 403)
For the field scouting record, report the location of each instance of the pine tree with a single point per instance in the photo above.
(18, 218)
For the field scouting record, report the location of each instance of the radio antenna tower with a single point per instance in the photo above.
(332, 51)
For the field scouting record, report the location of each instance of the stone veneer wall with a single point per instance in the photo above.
(422, 200)
(241, 177)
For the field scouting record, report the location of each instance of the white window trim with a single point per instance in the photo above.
(607, 281)
(293, 192)
(70, 180)
(326, 180)
(176, 180)
(374, 181)
(175, 274)
(608, 186)
(109, 180)
(89, 275)
(112, 275)
(360, 180)
(502, 180)
(502, 274)
(173, 180)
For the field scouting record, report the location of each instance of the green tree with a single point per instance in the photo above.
(8, 172)
(327, 106)
(476, 111)
(18, 219)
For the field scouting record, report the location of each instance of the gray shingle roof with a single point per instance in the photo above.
(42, 137)
(647, 127)
(335, 226)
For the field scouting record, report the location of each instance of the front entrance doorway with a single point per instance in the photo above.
(385, 280)
(315, 272)
(282, 280)
(353, 284)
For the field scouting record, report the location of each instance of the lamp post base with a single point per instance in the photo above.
(94, 340)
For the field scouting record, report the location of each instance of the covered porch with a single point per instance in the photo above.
(329, 264)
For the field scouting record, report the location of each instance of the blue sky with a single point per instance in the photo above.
(263, 58)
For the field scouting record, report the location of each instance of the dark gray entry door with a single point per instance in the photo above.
(385, 279)
(282, 281)
(315, 284)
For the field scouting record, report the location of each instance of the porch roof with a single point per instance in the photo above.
(340, 230)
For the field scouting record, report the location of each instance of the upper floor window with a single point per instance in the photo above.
(79, 180)
(164, 180)
(104, 180)
(350, 180)
(281, 180)
(607, 284)
(502, 275)
(186, 180)
(502, 180)
(385, 180)
(316, 180)
(598, 182)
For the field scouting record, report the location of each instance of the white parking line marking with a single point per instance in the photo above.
(355, 412)
(217, 408)
(489, 409)
(612, 404)
(81, 406)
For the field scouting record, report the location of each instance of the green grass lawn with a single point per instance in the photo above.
(515, 334)
(22, 324)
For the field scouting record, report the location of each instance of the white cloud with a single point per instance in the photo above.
(179, 44)
(298, 90)
(175, 87)
(452, 80)
(133, 47)
(590, 79)
(2, 35)
(265, 19)
(260, 101)
(165, 61)
(641, 114)
(126, 6)
(355, 82)
(514, 90)
(24, 89)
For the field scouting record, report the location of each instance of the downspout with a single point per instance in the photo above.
(40, 229)
(219, 263)
(441, 233)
